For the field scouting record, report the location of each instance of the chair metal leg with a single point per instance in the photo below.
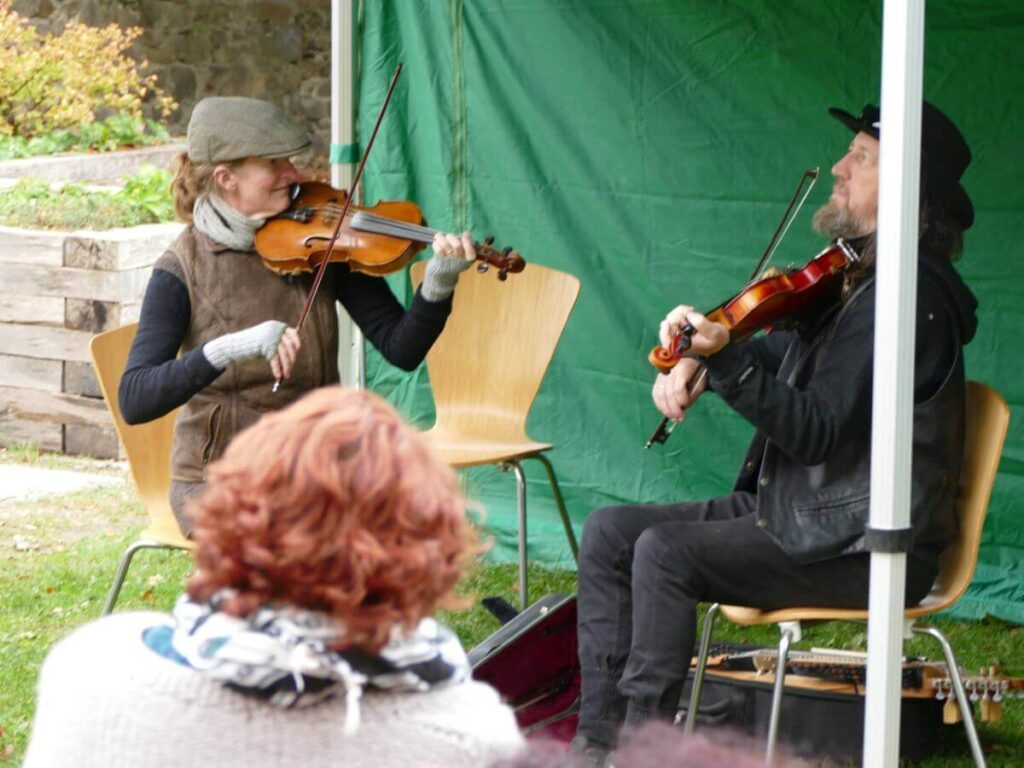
(516, 467)
(122, 569)
(698, 675)
(556, 491)
(780, 682)
(966, 712)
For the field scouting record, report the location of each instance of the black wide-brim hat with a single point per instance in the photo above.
(944, 156)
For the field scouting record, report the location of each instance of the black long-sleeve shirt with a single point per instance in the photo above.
(156, 381)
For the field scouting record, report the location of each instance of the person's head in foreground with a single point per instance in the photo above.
(327, 536)
(333, 505)
(328, 524)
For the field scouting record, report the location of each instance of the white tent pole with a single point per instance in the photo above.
(343, 57)
(892, 416)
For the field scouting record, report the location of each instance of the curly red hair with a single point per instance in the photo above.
(333, 504)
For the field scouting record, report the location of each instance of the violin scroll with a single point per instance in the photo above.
(506, 260)
(665, 359)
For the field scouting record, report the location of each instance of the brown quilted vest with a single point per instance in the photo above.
(230, 291)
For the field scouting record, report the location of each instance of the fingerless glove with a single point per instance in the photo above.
(258, 341)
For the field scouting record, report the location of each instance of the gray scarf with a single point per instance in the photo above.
(214, 217)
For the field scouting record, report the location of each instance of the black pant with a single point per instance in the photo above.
(644, 569)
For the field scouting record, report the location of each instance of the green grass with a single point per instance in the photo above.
(59, 580)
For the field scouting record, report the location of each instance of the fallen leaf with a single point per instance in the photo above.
(148, 595)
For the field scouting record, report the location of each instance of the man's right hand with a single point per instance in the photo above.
(671, 393)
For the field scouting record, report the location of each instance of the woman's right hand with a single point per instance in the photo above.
(284, 356)
(272, 340)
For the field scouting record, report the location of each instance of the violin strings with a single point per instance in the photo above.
(381, 225)
(372, 223)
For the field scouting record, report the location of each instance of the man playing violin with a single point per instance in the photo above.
(211, 298)
(792, 530)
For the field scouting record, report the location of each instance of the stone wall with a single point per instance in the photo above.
(277, 50)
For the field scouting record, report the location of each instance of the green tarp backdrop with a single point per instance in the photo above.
(649, 148)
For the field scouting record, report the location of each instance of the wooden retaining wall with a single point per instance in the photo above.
(56, 291)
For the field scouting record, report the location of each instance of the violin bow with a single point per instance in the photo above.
(786, 221)
(344, 211)
(664, 429)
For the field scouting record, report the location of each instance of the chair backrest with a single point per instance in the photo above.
(988, 420)
(147, 446)
(487, 366)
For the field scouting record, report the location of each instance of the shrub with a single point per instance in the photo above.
(116, 132)
(35, 203)
(54, 82)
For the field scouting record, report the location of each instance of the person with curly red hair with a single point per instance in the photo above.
(327, 537)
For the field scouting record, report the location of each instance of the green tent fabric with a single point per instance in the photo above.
(650, 148)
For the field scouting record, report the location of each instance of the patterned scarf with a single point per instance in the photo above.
(214, 217)
(281, 654)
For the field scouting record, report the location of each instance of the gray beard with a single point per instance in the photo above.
(831, 221)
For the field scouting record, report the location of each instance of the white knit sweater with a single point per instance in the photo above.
(105, 699)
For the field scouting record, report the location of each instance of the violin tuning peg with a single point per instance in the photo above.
(506, 250)
(502, 275)
(489, 240)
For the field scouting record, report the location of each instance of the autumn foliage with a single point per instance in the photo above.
(59, 81)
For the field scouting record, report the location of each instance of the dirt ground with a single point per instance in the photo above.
(39, 520)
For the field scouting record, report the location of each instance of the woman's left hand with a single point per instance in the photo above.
(453, 254)
(454, 246)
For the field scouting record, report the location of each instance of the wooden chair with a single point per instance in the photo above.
(148, 447)
(485, 371)
(988, 419)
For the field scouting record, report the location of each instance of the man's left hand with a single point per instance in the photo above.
(708, 337)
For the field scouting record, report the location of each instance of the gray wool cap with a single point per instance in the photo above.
(225, 128)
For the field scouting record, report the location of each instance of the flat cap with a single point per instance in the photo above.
(225, 128)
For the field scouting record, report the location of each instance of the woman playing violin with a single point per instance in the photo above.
(211, 299)
(792, 531)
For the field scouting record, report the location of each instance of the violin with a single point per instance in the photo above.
(324, 214)
(377, 240)
(768, 301)
(761, 305)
